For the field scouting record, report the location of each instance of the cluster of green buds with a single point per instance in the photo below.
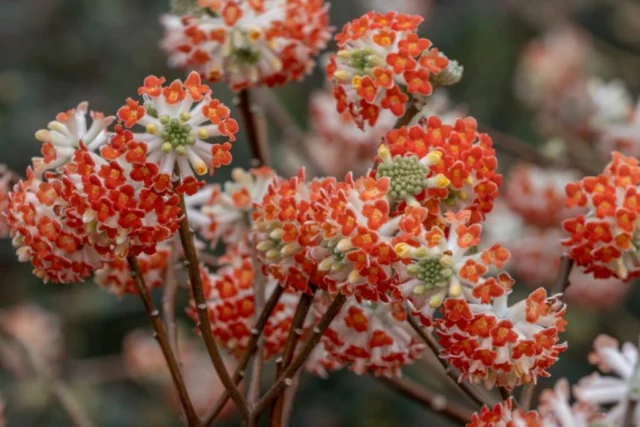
(176, 133)
(361, 61)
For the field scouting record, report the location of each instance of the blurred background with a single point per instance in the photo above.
(57, 53)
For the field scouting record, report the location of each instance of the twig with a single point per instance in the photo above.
(246, 357)
(527, 396)
(163, 341)
(411, 112)
(562, 280)
(630, 414)
(451, 373)
(424, 397)
(289, 350)
(256, 372)
(191, 256)
(256, 144)
(309, 344)
(169, 293)
(289, 398)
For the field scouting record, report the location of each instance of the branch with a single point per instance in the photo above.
(427, 398)
(309, 344)
(246, 357)
(289, 350)
(562, 280)
(163, 341)
(191, 256)
(527, 396)
(256, 372)
(255, 130)
(169, 293)
(289, 397)
(467, 388)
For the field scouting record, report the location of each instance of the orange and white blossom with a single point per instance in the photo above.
(116, 276)
(604, 239)
(495, 343)
(612, 390)
(67, 133)
(369, 338)
(6, 178)
(249, 42)
(223, 213)
(438, 263)
(538, 194)
(231, 294)
(178, 121)
(284, 225)
(381, 63)
(112, 198)
(441, 167)
(56, 244)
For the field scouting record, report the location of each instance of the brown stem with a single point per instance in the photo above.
(289, 350)
(629, 415)
(526, 397)
(256, 144)
(246, 357)
(170, 291)
(452, 373)
(408, 116)
(253, 393)
(163, 341)
(562, 279)
(289, 398)
(425, 397)
(193, 265)
(309, 344)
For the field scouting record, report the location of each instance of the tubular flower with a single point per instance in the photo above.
(284, 226)
(225, 213)
(114, 202)
(504, 415)
(175, 133)
(498, 344)
(604, 240)
(116, 277)
(370, 338)
(231, 305)
(249, 42)
(442, 167)
(612, 390)
(380, 60)
(44, 234)
(6, 177)
(434, 266)
(67, 133)
(538, 194)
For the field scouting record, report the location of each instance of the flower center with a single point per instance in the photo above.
(432, 272)
(176, 134)
(407, 175)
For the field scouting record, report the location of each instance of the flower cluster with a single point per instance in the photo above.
(116, 277)
(370, 338)
(492, 342)
(178, 120)
(441, 167)
(505, 415)
(231, 294)
(604, 239)
(382, 62)
(246, 43)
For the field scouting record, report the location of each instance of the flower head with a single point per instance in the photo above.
(382, 62)
(370, 338)
(178, 120)
(46, 235)
(67, 133)
(504, 414)
(444, 168)
(247, 43)
(116, 277)
(603, 240)
(498, 344)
